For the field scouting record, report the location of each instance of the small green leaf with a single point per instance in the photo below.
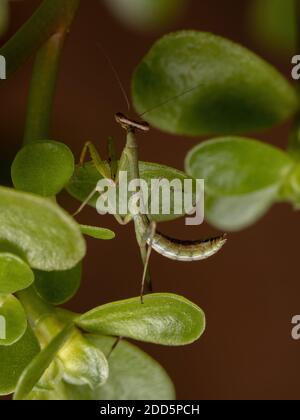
(209, 85)
(14, 359)
(83, 363)
(274, 24)
(15, 274)
(43, 168)
(97, 233)
(35, 370)
(163, 319)
(134, 375)
(86, 178)
(146, 15)
(13, 322)
(242, 177)
(46, 236)
(58, 287)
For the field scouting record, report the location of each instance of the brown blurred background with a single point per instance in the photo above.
(250, 291)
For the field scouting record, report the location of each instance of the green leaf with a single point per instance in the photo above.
(15, 274)
(134, 375)
(146, 15)
(235, 213)
(97, 233)
(86, 178)
(46, 236)
(163, 319)
(14, 359)
(209, 85)
(35, 370)
(4, 16)
(43, 168)
(83, 363)
(242, 178)
(13, 322)
(274, 24)
(58, 287)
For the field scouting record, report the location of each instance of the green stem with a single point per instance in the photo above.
(42, 89)
(51, 17)
(33, 305)
(41, 316)
(44, 77)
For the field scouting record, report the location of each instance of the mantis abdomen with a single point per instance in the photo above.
(186, 251)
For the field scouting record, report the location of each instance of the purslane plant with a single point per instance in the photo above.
(190, 83)
(49, 353)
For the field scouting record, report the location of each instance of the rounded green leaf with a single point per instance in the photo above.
(13, 321)
(58, 287)
(242, 178)
(36, 368)
(15, 274)
(97, 233)
(146, 15)
(47, 237)
(86, 178)
(43, 168)
(274, 24)
(209, 85)
(237, 165)
(234, 213)
(163, 319)
(14, 359)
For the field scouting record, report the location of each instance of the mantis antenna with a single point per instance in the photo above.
(167, 101)
(116, 75)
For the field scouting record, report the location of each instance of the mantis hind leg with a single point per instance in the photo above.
(145, 245)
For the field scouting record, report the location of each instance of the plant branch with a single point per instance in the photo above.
(41, 316)
(42, 89)
(43, 82)
(51, 17)
(34, 307)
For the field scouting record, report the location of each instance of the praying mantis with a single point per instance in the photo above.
(147, 236)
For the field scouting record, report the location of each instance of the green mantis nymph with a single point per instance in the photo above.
(147, 236)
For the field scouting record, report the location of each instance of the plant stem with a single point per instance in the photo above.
(44, 77)
(42, 89)
(41, 316)
(33, 305)
(51, 17)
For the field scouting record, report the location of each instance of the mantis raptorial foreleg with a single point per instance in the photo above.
(108, 171)
(100, 164)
